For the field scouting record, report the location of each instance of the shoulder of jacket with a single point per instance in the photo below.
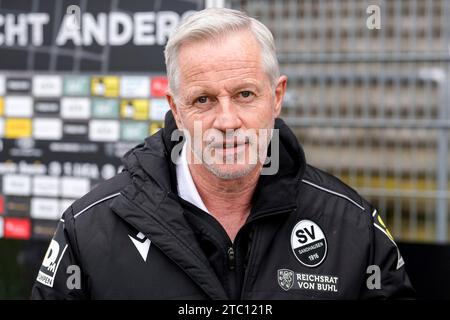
(326, 183)
(101, 194)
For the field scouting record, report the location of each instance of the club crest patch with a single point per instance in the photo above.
(285, 279)
(308, 243)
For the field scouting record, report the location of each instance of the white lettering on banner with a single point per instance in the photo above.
(47, 86)
(26, 152)
(8, 167)
(85, 170)
(43, 208)
(47, 129)
(120, 28)
(75, 108)
(166, 24)
(18, 106)
(54, 168)
(144, 28)
(37, 21)
(15, 29)
(93, 29)
(113, 28)
(46, 186)
(134, 87)
(73, 147)
(104, 130)
(17, 185)
(32, 168)
(117, 21)
(72, 187)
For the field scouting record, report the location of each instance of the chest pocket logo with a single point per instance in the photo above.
(308, 243)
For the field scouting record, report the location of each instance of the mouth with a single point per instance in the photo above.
(230, 144)
(230, 148)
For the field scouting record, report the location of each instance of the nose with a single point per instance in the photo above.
(227, 115)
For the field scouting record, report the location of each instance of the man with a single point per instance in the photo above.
(231, 217)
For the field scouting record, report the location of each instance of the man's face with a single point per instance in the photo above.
(224, 90)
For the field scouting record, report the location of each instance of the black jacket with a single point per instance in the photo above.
(308, 236)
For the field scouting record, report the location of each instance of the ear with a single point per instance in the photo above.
(280, 90)
(174, 109)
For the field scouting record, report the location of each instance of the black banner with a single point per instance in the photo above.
(76, 35)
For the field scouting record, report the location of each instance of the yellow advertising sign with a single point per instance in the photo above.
(136, 109)
(18, 128)
(105, 86)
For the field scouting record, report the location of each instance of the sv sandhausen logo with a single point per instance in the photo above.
(308, 243)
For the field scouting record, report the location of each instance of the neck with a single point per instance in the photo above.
(229, 201)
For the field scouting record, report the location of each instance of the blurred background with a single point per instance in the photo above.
(368, 98)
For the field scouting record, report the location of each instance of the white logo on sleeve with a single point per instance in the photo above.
(142, 244)
(52, 259)
(308, 243)
(51, 256)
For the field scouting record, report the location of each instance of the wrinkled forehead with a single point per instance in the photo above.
(230, 56)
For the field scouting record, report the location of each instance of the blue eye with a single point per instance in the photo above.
(202, 99)
(246, 94)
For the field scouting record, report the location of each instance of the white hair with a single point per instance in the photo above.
(212, 23)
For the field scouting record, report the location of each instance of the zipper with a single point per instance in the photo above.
(252, 249)
(231, 258)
